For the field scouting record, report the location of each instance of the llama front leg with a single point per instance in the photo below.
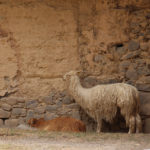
(99, 126)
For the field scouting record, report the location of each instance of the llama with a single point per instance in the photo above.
(63, 124)
(102, 101)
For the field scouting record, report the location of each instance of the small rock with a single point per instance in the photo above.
(50, 116)
(141, 34)
(19, 112)
(144, 46)
(21, 100)
(148, 16)
(25, 127)
(124, 66)
(135, 28)
(144, 103)
(67, 100)
(22, 120)
(30, 114)
(73, 106)
(134, 24)
(52, 108)
(4, 114)
(39, 116)
(140, 62)
(64, 112)
(75, 114)
(98, 58)
(131, 55)
(108, 80)
(11, 101)
(1, 122)
(143, 24)
(40, 110)
(130, 82)
(143, 70)
(143, 87)
(32, 104)
(131, 74)
(11, 122)
(89, 82)
(59, 103)
(19, 105)
(145, 79)
(133, 65)
(83, 40)
(63, 93)
(48, 100)
(148, 65)
(3, 33)
(6, 107)
(120, 50)
(133, 45)
(3, 93)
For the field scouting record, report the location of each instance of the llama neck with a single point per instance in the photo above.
(75, 89)
(74, 85)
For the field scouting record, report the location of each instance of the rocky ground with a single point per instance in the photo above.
(19, 139)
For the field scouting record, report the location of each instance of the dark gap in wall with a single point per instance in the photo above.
(119, 45)
(4, 119)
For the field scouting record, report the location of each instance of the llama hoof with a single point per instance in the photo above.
(98, 132)
(130, 132)
(137, 131)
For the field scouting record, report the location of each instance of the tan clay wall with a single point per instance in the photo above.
(38, 45)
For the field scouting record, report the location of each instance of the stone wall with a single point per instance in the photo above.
(41, 40)
(18, 110)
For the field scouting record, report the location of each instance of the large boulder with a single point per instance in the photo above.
(4, 114)
(11, 122)
(145, 103)
(146, 127)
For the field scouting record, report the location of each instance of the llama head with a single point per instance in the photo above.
(68, 75)
(32, 122)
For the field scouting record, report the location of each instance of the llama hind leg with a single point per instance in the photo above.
(138, 124)
(130, 121)
(99, 123)
(131, 124)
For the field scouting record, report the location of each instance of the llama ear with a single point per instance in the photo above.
(64, 77)
(31, 121)
(79, 72)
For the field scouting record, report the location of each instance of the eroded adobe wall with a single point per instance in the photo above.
(41, 40)
(38, 44)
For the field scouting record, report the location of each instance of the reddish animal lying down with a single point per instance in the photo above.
(66, 124)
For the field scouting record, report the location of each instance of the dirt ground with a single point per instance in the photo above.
(19, 139)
